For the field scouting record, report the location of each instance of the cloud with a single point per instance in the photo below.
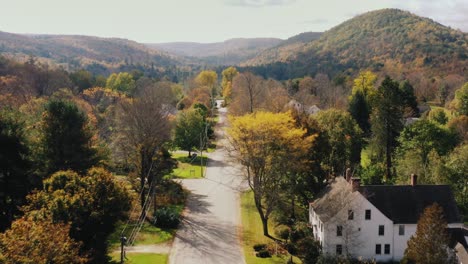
(259, 3)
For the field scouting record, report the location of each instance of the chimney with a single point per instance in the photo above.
(355, 183)
(414, 179)
(348, 175)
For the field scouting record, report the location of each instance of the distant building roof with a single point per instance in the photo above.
(400, 203)
(406, 203)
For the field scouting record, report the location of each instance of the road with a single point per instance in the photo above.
(210, 230)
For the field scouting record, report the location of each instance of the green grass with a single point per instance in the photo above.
(148, 235)
(252, 233)
(187, 170)
(365, 157)
(141, 258)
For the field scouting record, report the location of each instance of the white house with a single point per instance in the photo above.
(375, 221)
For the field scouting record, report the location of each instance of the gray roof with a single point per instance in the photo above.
(406, 203)
(400, 203)
(332, 199)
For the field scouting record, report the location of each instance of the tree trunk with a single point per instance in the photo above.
(258, 205)
(189, 153)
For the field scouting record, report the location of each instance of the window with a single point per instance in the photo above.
(378, 249)
(350, 215)
(339, 249)
(401, 230)
(381, 230)
(339, 230)
(368, 214)
(321, 227)
(387, 249)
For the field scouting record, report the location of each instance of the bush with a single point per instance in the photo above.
(263, 254)
(166, 217)
(282, 232)
(259, 247)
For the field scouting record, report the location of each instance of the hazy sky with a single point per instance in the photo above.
(205, 20)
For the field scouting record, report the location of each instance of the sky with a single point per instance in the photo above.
(157, 21)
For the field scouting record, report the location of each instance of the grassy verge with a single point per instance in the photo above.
(188, 168)
(252, 233)
(148, 235)
(142, 258)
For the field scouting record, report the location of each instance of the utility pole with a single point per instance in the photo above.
(201, 154)
(123, 241)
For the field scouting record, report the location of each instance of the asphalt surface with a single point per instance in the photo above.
(210, 230)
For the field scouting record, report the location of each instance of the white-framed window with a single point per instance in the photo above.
(339, 230)
(368, 214)
(381, 230)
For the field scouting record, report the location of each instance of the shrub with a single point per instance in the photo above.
(263, 254)
(259, 247)
(166, 217)
(282, 232)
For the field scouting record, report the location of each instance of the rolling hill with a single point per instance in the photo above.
(73, 51)
(388, 40)
(229, 52)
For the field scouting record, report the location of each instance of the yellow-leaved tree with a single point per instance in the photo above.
(267, 145)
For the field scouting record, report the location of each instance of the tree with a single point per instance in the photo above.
(189, 130)
(226, 83)
(246, 89)
(39, 242)
(460, 102)
(267, 144)
(67, 138)
(144, 129)
(409, 100)
(207, 78)
(14, 167)
(364, 83)
(429, 245)
(359, 109)
(92, 203)
(82, 79)
(417, 141)
(344, 138)
(122, 82)
(386, 122)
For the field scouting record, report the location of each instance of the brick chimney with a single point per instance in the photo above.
(355, 183)
(414, 179)
(348, 175)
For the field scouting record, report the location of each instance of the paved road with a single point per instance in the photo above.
(210, 230)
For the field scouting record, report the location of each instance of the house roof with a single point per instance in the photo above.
(405, 203)
(332, 199)
(400, 203)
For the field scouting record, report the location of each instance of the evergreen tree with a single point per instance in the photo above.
(359, 109)
(67, 139)
(409, 99)
(430, 242)
(14, 165)
(387, 122)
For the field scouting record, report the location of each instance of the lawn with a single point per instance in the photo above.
(252, 233)
(148, 235)
(188, 168)
(141, 258)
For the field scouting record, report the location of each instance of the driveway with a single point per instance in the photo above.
(210, 231)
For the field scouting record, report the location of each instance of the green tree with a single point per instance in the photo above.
(387, 122)
(417, 141)
(267, 144)
(460, 102)
(67, 138)
(409, 100)
(438, 115)
(226, 83)
(122, 82)
(82, 79)
(39, 242)
(344, 138)
(92, 203)
(207, 78)
(429, 245)
(359, 109)
(14, 166)
(189, 129)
